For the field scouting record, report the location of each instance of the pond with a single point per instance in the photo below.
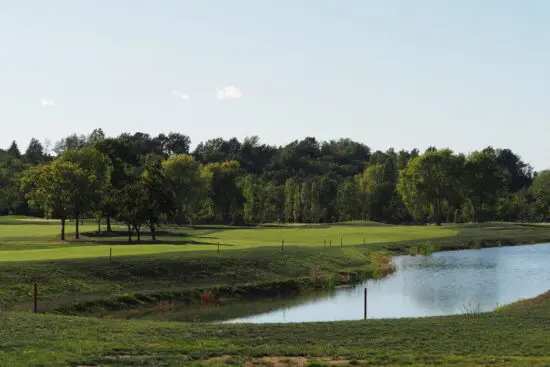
(444, 283)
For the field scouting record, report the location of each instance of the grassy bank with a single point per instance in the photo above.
(80, 272)
(518, 336)
(66, 282)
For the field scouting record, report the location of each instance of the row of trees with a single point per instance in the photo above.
(142, 181)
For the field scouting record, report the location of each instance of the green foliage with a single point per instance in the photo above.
(189, 183)
(226, 196)
(306, 181)
(484, 183)
(429, 182)
(541, 194)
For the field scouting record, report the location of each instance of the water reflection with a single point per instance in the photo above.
(440, 284)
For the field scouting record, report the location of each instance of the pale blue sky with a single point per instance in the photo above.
(462, 74)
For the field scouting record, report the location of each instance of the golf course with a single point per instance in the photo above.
(90, 290)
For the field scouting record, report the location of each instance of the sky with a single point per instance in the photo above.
(393, 73)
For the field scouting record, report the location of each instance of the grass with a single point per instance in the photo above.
(64, 282)
(514, 337)
(185, 262)
(32, 242)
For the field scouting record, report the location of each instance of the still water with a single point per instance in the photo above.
(443, 283)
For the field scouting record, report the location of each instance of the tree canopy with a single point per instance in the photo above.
(145, 180)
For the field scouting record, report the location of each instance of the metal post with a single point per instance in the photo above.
(35, 298)
(110, 253)
(365, 306)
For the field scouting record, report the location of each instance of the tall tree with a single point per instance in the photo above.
(252, 193)
(35, 152)
(159, 198)
(189, 184)
(541, 194)
(429, 181)
(346, 201)
(93, 183)
(290, 190)
(71, 142)
(53, 186)
(226, 196)
(13, 150)
(483, 183)
(315, 208)
(305, 199)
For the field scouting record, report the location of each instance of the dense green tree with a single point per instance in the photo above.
(305, 199)
(188, 183)
(71, 142)
(483, 183)
(226, 196)
(95, 136)
(159, 198)
(252, 193)
(132, 207)
(53, 186)
(92, 184)
(290, 190)
(429, 181)
(347, 203)
(174, 143)
(35, 153)
(315, 204)
(13, 150)
(541, 194)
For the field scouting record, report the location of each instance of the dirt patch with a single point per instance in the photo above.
(282, 361)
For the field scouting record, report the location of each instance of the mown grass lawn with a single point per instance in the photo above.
(518, 336)
(32, 242)
(187, 258)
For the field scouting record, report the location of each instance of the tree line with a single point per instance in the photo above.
(143, 181)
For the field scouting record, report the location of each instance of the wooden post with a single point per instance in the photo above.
(365, 306)
(218, 246)
(35, 298)
(110, 253)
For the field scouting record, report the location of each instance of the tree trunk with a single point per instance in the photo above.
(77, 234)
(129, 233)
(109, 224)
(63, 229)
(138, 233)
(153, 231)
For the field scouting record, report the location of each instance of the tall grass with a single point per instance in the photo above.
(382, 263)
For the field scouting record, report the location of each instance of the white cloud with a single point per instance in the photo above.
(180, 95)
(47, 102)
(229, 92)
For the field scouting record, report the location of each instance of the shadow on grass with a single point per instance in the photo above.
(122, 239)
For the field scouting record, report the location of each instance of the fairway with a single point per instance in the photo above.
(27, 242)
